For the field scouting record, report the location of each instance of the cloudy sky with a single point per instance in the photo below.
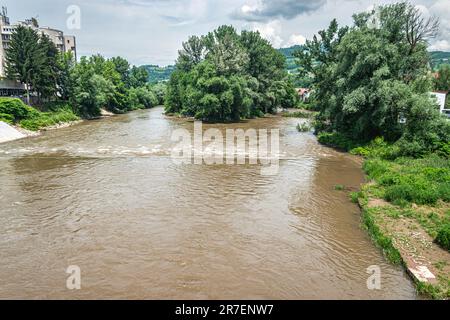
(151, 31)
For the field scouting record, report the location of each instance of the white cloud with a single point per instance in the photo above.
(270, 31)
(440, 45)
(295, 39)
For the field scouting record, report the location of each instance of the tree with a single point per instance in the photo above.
(193, 53)
(47, 72)
(66, 63)
(418, 28)
(24, 57)
(138, 76)
(442, 81)
(226, 76)
(122, 67)
(225, 51)
(366, 79)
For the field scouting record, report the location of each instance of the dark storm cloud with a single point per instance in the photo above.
(270, 9)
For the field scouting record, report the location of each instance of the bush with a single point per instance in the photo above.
(377, 148)
(46, 119)
(299, 114)
(8, 118)
(16, 109)
(337, 140)
(406, 180)
(443, 237)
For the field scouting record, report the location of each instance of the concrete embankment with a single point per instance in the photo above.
(9, 133)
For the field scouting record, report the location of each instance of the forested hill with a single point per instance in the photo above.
(437, 58)
(158, 74)
(290, 60)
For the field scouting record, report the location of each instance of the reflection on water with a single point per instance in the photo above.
(105, 195)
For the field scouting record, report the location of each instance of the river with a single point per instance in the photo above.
(106, 196)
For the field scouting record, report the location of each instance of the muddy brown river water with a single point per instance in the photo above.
(106, 196)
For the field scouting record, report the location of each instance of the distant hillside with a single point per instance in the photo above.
(290, 60)
(158, 73)
(438, 58)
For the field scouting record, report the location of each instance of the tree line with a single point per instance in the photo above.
(89, 85)
(373, 79)
(226, 76)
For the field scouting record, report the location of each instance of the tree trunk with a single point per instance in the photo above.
(28, 93)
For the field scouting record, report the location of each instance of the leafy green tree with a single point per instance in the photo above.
(66, 63)
(122, 66)
(366, 79)
(138, 76)
(226, 76)
(442, 81)
(193, 53)
(24, 58)
(46, 83)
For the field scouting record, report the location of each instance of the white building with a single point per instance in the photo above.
(441, 98)
(63, 43)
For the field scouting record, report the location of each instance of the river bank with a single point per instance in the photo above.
(13, 132)
(405, 208)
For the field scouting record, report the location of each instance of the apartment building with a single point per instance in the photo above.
(64, 43)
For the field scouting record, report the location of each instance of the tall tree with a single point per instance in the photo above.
(24, 57)
(47, 74)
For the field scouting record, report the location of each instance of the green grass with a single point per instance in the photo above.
(406, 181)
(443, 236)
(299, 114)
(383, 241)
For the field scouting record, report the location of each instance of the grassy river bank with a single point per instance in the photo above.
(406, 209)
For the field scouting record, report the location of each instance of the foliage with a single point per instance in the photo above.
(226, 76)
(442, 82)
(15, 110)
(406, 180)
(8, 118)
(365, 79)
(443, 237)
(299, 114)
(159, 74)
(46, 119)
(337, 140)
(438, 58)
(25, 57)
(383, 241)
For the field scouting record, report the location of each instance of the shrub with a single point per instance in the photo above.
(299, 114)
(412, 192)
(443, 237)
(337, 140)
(17, 109)
(8, 118)
(42, 120)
